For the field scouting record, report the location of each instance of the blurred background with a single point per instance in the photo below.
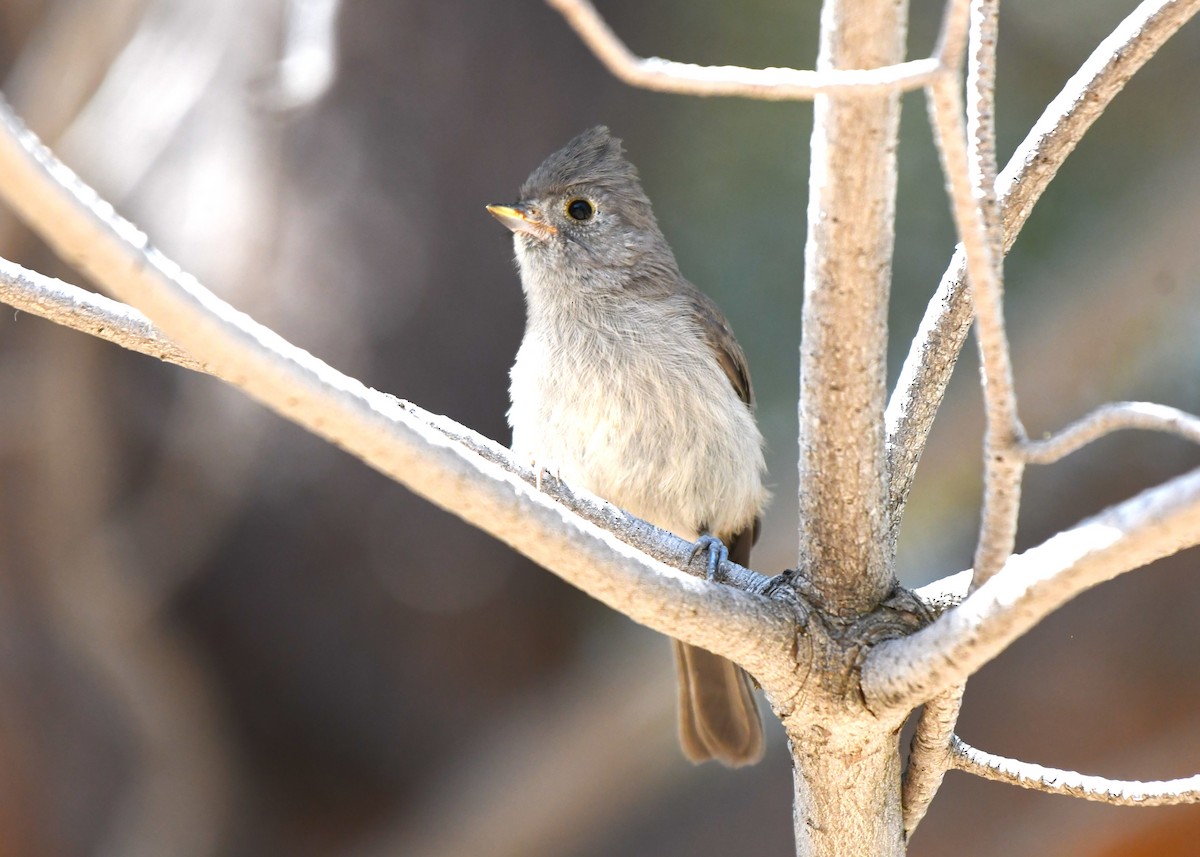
(221, 636)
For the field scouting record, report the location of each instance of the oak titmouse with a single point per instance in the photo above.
(630, 384)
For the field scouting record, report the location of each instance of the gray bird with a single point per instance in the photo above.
(629, 383)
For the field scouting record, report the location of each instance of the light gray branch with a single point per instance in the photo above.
(79, 309)
(1107, 419)
(1084, 97)
(940, 595)
(929, 756)
(952, 40)
(1056, 781)
(968, 162)
(765, 84)
(123, 325)
(847, 273)
(1156, 523)
(748, 628)
(983, 244)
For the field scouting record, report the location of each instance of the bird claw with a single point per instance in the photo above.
(717, 553)
(542, 469)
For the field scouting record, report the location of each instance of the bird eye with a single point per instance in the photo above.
(580, 209)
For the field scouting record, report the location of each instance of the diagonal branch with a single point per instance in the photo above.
(765, 84)
(1071, 783)
(90, 313)
(968, 162)
(115, 322)
(943, 330)
(1107, 419)
(377, 428)
(1156, 523)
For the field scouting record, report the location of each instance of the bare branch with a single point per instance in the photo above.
(1056, 781)
(929, 757)
(847, 269)
(952, 40)
(123, 325)
(1106, 420)
(79, 309)
(765, 84)
(1154, 524)
(940, 595)
(744, 627)
(922, 381)
(1084, 97)
(983, 244)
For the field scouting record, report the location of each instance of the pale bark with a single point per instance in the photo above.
(1156, 523)
(843, 371)
(1057, 781)
(1064, 122)
(769, 84)
(836, 644)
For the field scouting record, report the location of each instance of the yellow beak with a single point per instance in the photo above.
(519, 219)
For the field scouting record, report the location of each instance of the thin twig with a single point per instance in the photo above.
(1107, 419)
(1003, 468)
(947, 320)
(766, 84)
(929, 756)
(1057, 781)
(1158, 522)
(79, 309)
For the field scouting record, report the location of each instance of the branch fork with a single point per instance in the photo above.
(882, 650)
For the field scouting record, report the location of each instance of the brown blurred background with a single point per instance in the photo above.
(220, 636)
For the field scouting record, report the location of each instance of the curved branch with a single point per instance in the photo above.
(1056, 781)
(1156, 523)
(766, 84)
(377, 428)
(947, 320)
(929, 756)
(969, 165)
(983, 243)
(1108, 419)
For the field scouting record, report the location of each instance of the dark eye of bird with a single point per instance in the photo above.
(580, 209)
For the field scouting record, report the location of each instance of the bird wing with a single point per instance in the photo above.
(725, 348)
(732, 360)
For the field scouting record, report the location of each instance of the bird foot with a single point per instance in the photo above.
(717, 552)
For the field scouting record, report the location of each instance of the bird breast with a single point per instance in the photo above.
(658, 431)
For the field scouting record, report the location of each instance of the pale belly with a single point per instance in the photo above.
(641, 437)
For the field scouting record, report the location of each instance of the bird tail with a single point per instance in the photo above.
(718, 717)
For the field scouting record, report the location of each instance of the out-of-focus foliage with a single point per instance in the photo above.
(220, 636)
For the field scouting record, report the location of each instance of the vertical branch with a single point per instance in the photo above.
(1003, 466)
(852, 187)
(847, 781)
(930, 756)
(847, 803)
(970, 168)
